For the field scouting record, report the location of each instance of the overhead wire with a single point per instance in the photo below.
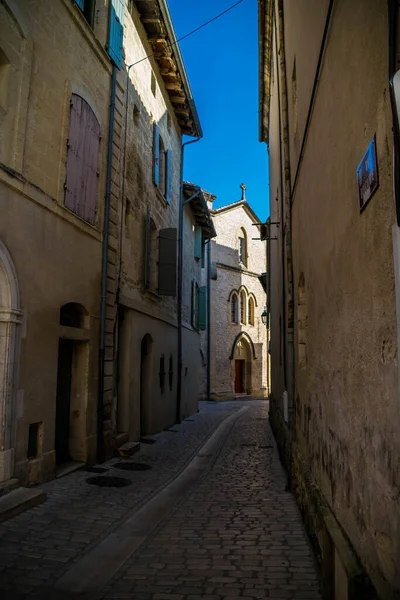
(191, 32)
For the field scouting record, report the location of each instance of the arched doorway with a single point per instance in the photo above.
(10, 317)
(146, 382)
(242, 366)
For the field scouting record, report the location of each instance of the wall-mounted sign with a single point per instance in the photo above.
(367, 175)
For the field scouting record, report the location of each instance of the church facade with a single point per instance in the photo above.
(237, 346)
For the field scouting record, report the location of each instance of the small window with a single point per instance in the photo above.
(35, 440)
(162, 374)
(72, 315)
(153, 84)
(162, 165)
(242, 247)
(234, 308)
(86, 7)
(171, 373)
(243, 307)
(251, 311)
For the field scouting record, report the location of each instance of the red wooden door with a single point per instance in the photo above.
(239, 376)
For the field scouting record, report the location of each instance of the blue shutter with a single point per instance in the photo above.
(156, 154)
(81, 4)
(168, 175)
(116, 32)
(198, 240)
(202, 308)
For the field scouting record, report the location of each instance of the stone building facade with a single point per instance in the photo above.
(90, 189)
(238, 364)
(324, 100)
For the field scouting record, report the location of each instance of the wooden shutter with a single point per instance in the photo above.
(168, 175)
(116, 32)
(156, 154)
(147, 252)
(198, 240)
(202, 308)
(82, 160)
(167, 255)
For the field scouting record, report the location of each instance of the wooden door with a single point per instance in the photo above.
(63, 402)
(239, 376)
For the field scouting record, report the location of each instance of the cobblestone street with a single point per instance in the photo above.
(211, 519)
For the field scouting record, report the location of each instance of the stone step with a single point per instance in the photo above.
(8, 486)
(19, 500)
(128, 449)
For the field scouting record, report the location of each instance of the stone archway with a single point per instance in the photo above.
(10, 317)
(242, 363)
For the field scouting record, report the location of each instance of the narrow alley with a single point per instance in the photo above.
(207, 516)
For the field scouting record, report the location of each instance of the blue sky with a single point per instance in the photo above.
(222, 65)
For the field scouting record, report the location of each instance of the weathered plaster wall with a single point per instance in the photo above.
(56, 255)
(347, 405)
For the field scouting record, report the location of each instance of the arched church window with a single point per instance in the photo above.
(234, 308)
(251, 310)
(242, 246)
(243, 307)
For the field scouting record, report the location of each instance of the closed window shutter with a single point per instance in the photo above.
(81, 4)
(198, 240)
(167, 255)
(202, 308)
(147, 252)
(156, 154)
(168, 175)
(82, 160)
(116, 32)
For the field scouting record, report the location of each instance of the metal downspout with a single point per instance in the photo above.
(180, 286)
(209, 321)
(106, 231)
(282, 215)
(268, 266)
(288, 216)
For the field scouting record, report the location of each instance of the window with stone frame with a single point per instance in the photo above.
(243, 307)
(242, 247)
(234, 309)
(251, 310)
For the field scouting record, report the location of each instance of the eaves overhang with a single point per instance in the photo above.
(156, 20)
(200, 209)
(265, 25)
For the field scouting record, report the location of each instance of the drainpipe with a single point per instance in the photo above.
(288, 213)
(209, 321)
(282, 208)
(103, 308)
(268, 268)
(180, 285)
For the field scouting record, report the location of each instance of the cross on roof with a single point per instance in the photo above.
(244, 188)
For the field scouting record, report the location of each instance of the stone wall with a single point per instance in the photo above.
(57, 256)
(346, 432)
(233, 277)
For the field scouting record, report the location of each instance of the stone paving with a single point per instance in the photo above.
(236, 533)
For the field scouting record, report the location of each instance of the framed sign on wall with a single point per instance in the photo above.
(367, 175)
